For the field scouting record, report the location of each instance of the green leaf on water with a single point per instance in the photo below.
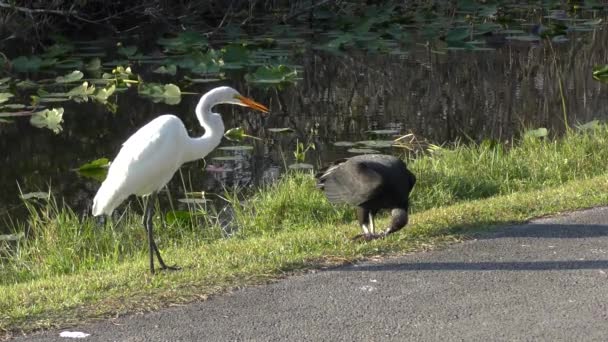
(458, 34)
(27, 84)
(103, 94)
(344, 144)
(376, 143)
(58, 49)
(74, 76)
(81, 93)
(172, 94)
(93, 65)
(362, 150)
(524, 38)
(273, 75)
(127, 51)
(235, 56)
(101, 163)
(384, 131)
(169, 69)
(26, 64)
(5, 96)
(183, 42)
(167, 93)
(48, 118)
(238, 134)
(96, 169)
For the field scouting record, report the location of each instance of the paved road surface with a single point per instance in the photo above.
(543, 281)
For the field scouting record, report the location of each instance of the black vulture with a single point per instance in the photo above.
(371, 182)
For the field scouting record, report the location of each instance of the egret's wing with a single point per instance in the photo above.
(145, 163)
(353, 182)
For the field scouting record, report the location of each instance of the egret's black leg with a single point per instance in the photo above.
(148, 226)
(153, 246)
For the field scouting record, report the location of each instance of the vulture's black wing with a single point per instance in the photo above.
(353, 182)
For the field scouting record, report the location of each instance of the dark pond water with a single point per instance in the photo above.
(440, 96)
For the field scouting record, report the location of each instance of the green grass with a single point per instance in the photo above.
(71, 268)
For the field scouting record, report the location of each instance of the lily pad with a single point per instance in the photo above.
(26, 64)
(74, 76)
(273, 75)
(524, 38)
(48, 118)
(127, 51)
(458, 34)
(184, 42)
(13, 105)
(362, 150)
(167, 93)
(93, 65)
(81, 93)
(5, 96)
(238, 134)
(376, 143)
(168, 70)
(384, 131)
(96, 169)
(202, 80)
(344, 143)
(103, 94)
(235, 56)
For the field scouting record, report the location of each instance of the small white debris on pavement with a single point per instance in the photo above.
(74, 334)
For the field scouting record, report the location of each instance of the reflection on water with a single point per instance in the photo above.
(439, 96)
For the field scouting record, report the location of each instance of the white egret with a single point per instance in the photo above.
(150, 157)
(371, 182)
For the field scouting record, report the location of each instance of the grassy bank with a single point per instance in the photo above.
(71, 268)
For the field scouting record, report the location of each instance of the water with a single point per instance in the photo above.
(440, 97)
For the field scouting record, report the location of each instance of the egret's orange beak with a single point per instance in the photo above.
(252, 104)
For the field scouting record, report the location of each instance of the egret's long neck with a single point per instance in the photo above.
(214, 131)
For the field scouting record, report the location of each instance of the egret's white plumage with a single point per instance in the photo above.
(150, 157)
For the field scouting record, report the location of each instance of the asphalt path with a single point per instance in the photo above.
(546, 280)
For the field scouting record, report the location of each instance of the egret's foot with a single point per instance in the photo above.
(170, 268)
(367, 237)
